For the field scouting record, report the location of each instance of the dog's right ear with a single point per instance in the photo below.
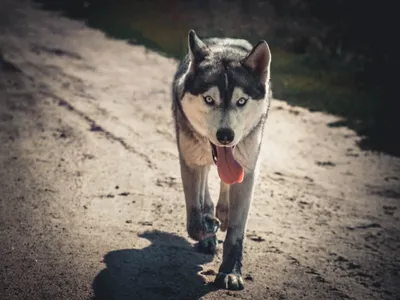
(198, 50)
(259, 60)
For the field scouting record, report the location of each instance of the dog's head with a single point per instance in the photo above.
(224, 92)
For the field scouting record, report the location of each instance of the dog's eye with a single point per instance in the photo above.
(209, 100)
(241, 102)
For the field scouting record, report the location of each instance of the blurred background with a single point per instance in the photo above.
(333, 56)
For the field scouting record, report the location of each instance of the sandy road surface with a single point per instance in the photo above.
(91, 203)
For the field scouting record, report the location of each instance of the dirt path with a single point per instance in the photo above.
(91, 203)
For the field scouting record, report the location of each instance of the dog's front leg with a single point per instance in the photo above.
(223, 205)
(201, 224)
(230, 271)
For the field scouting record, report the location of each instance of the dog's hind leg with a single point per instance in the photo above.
(240, 197)
(208, 207)
(223, 205)
(201, 223)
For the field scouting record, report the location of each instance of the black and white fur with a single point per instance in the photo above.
(220, 83)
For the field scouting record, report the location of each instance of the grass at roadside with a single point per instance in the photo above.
(305, 80)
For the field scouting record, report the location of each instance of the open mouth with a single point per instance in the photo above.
(214, 152)
(229, 169)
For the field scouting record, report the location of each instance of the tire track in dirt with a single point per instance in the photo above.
(95, 127)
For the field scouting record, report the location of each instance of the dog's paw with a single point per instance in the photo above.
(209, 242)
(222, 215)
(229, 281)
(208, 245)
(211, 224)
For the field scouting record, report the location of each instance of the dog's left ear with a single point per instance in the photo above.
(259, 60)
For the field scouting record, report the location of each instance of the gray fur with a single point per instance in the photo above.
(227, 66)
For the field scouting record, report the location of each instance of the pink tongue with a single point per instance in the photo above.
(229, 170)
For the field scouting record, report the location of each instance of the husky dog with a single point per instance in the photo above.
(221, 98)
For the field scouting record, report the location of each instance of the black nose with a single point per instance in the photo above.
(225, 135)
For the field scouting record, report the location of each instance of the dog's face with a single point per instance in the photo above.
(224, 96)
(223, 121)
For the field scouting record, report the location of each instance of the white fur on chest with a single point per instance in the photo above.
(247, 151)
(194, 152)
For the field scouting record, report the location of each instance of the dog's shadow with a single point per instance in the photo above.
(166, 269)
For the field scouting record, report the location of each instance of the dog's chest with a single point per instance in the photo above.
(194, 152)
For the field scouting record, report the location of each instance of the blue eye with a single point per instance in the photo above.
(209, 100)
(241, 102)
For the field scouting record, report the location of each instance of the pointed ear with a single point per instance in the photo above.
(198, 50)
(259, 60)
